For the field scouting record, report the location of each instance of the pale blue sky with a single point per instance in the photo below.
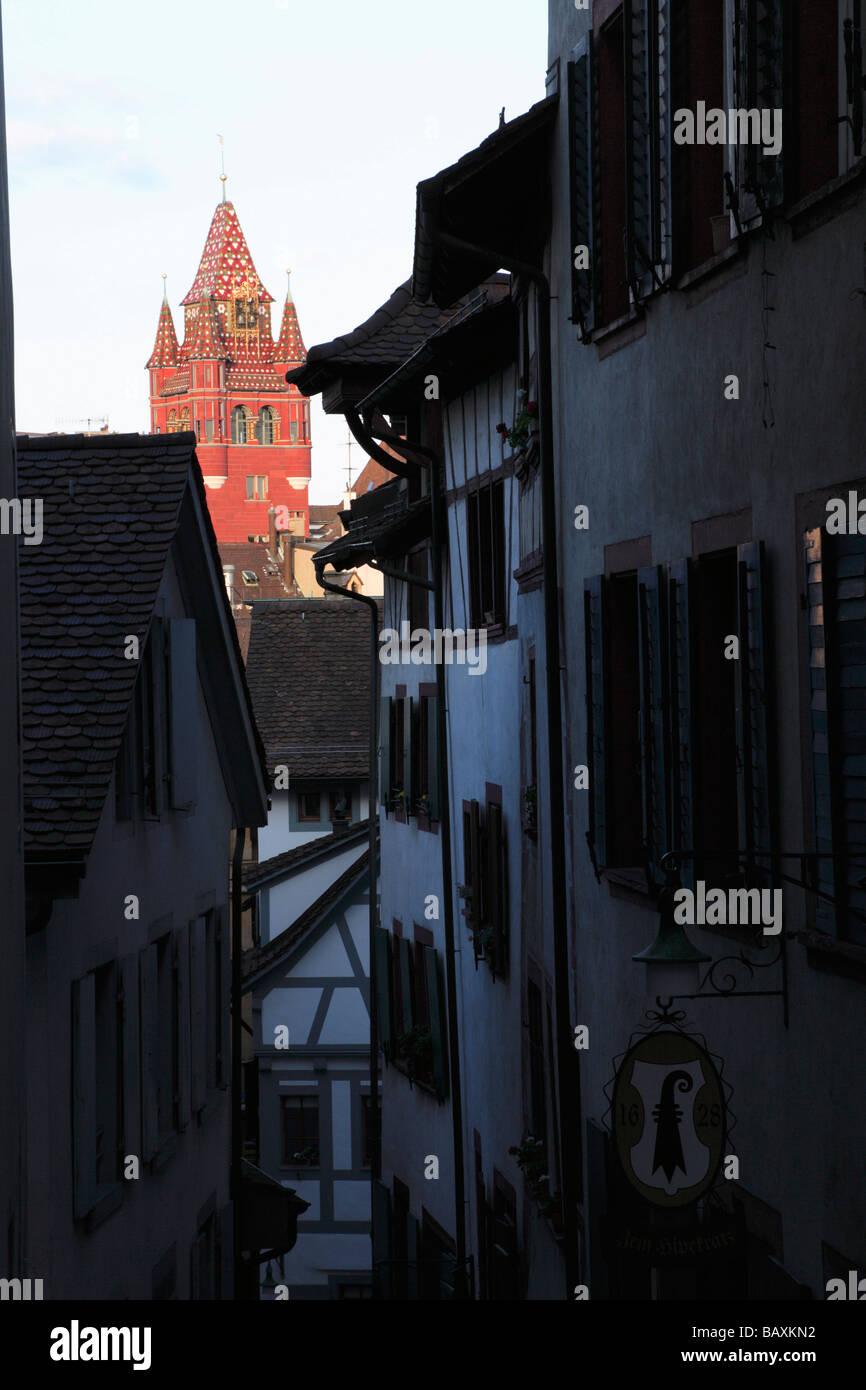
(331, 110)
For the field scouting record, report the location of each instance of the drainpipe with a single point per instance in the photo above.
(367, 435)
(240, 1289)
(568, 1079)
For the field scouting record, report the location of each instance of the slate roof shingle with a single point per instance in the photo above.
(308, 668)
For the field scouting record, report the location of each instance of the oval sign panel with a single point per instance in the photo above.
(669, 1119)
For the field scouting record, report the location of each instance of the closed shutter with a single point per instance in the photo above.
(404, 963)
(819, 580)
(753, 760)
(381, 1233)
(413, 1247)
(84, 1094)
(682, 733)
(181, 1004)
(155, 667)
(198, 1013)
(596, 662)
(582, 169)
(149, 1051)
(472, 869)
(639, 147)
(382, 965)
(224, 1019)
(430, 707)
(183, 712)
(654, 724)
(438, 1024)
(495, 906)
(385, 752)
(663, 115)
(131, 1118)
(409, 779)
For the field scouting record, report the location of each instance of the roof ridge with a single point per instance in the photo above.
(105, 441)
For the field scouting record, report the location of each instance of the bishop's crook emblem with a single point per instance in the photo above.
(668, 1154)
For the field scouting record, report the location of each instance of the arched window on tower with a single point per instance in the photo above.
(171, 423)
(266, 426)
(183, 423)
(240, 416)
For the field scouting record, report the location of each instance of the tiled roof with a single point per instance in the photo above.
(290, 345)
(383, 340)
(372, 475)
(254, 558)
(226, 264)
(111, 507)
(325, 524)
(243, 376)
(308, 668)
(208, 341)
(292, 859)
(260, 959)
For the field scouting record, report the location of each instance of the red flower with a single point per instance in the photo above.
(532, 407)
(513, 1149)
(501, 428)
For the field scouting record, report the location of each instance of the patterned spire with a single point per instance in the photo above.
(208, 338)
(290, 345)
(165, 350)
(226, 266)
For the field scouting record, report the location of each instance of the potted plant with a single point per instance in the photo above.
(422, 805)
(524, 426)
(529, 1154)
(416, 1050)
(308, 1156)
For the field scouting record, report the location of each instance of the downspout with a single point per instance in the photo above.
(240, 1290)
(567, 1065)
(365, 435)
(372, 813)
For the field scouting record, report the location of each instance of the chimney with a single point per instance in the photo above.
(288, 560)
(229, 576)
(272, 530)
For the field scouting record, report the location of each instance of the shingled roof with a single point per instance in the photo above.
(111, 511)
(308, 668)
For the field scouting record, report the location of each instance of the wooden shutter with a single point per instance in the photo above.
(495, 907)
(682, 733)
(430, 706)
(753, 761)
(472, 864)
(662, 45)
(130, 1025)
(596, 720)
(156, 672)
(819, 581)
(654, 724)
(183, 712)
(381, 1214)
(181, 1003)
(149, 1051)
(413, 1247)
(382, 965)
(198, 1013)
(84, 1094)
(385, 752)
(582, 170)
(404, 962)
(639, 148)
(438, 1019)
(409, 777)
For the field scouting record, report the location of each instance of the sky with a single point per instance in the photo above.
(331, 112)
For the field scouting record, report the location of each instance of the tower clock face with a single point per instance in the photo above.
(245, 313)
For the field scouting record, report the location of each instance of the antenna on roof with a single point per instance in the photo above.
(502, 118)
(348, 445)
(222, 165)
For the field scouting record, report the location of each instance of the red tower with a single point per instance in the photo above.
(227, 382)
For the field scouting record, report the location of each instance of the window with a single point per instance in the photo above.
(484, 887)
(695, 775)
(198, 430)
(240, 423)
(208, 431)
(608, 58)
(395, 770)
(299, 1127)
(701, 223)
(204, 1261)
(266, 426)
(310, 806)
(485, 520)
(426, 757)
(836, 598)
(537, 1068)
(217, 985)
(436, 1274)
(755, 68)
(411, 1008)
(156, 765)
(504, 1259)
(257, 489)
(340, 806)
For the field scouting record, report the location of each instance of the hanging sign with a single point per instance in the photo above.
(669, 1118)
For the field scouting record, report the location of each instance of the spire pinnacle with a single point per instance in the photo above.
(223, 174)
(289, 287)
(164, 291)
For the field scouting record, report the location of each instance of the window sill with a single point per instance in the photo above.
(619, 333)
(530, 572)
(630, 885)
(416, 1081)
(827, 201)
(714, 268)
(831, 956)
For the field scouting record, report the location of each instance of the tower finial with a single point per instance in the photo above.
(164, 293)
(222, 165)
(288, 286)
